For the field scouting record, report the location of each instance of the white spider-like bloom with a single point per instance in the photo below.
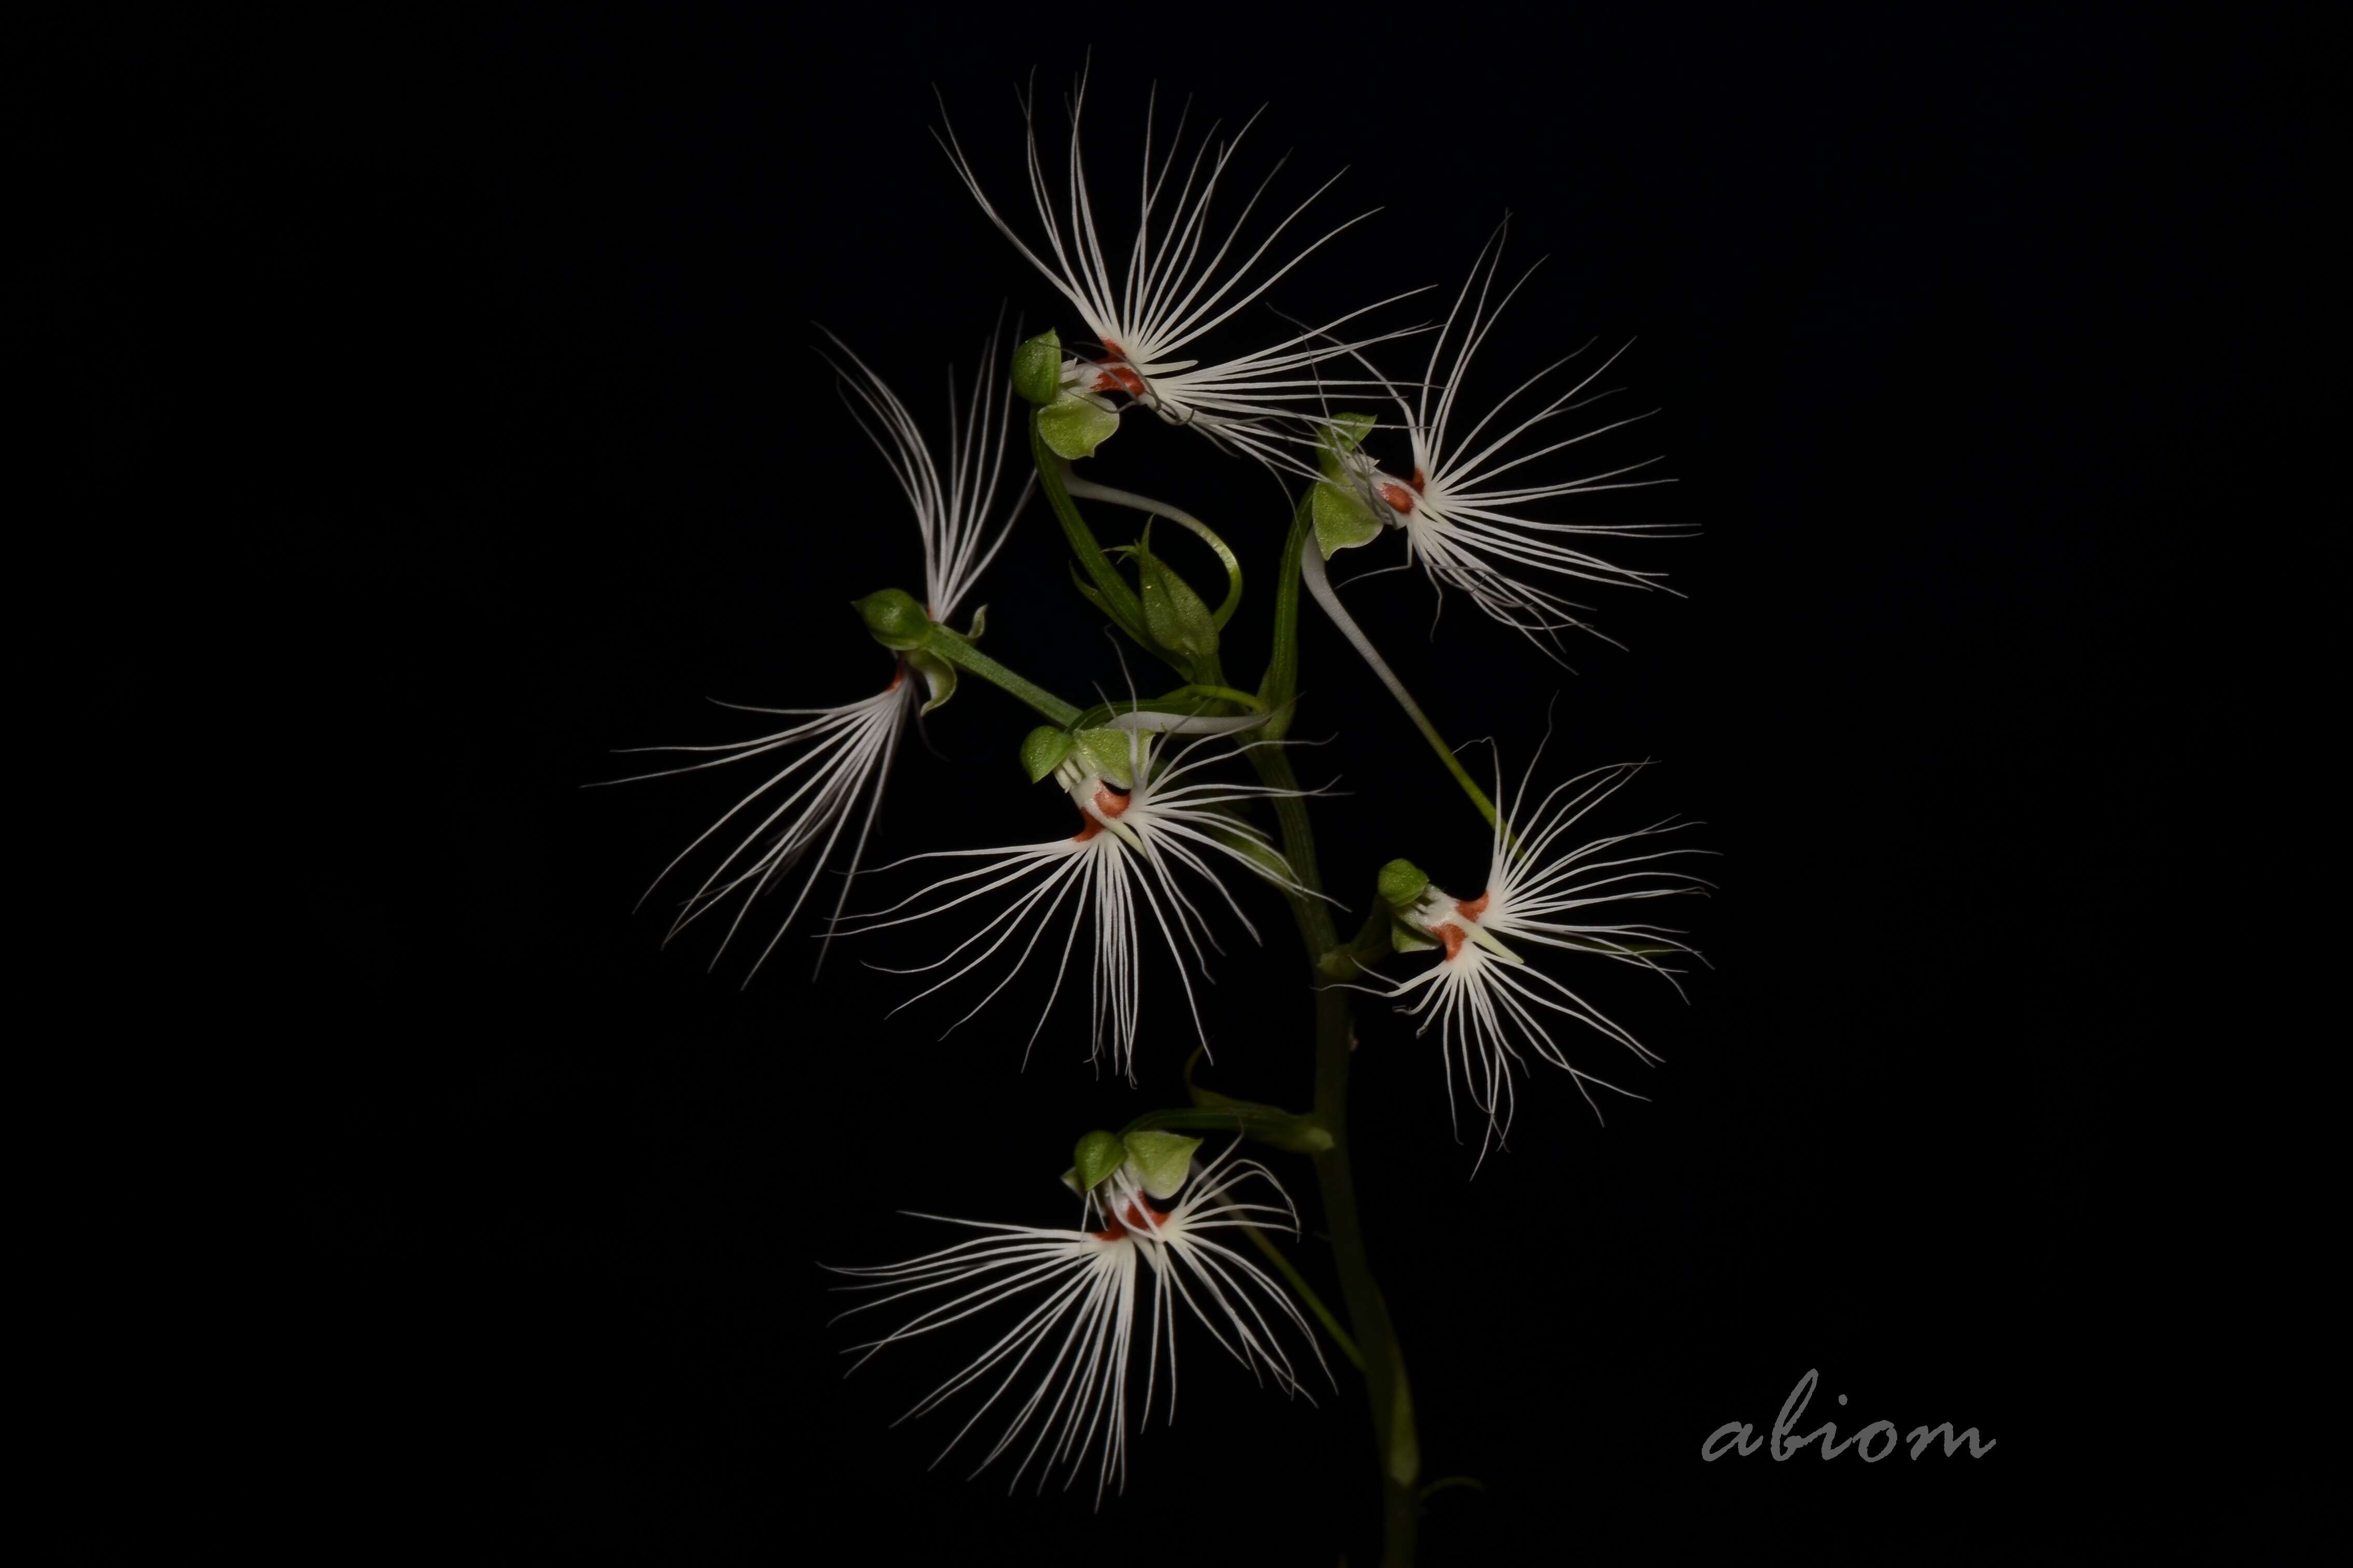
(840, 757)
(1077, 1291)
(1463, 509)
(1487, 998)
(1117, 878)
(1178, 282)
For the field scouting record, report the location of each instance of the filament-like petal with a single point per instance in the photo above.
(1183, 276)
(1491, 1003)
(1058, 1377)
(819, 807)
(1128, 880)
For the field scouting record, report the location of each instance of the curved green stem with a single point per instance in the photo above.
(1087, 489)
(1300, 1287)
(1319, 583)
(1118, 597)
(1241, 700)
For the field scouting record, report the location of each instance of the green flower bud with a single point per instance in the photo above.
(1037, 368)
(1099, 1153)
(1043, 749)
(1173, 613)
(1161, 1161)
(1402, 883)
(894, 618)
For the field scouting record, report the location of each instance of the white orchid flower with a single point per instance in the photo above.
(822, 803)
(1179, 281)
(1147, 826)
(1464, 507)
(1486, 991)
(1060, 1375)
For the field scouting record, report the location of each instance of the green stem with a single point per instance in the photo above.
(1310, 566)
(1282, 681)
(1370, 945)
(1121, 598)
(1301, 1288)
(1386, 1383)
(1259, 1123)
(1241, 700)
(953, 647)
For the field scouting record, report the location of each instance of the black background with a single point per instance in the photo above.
(499, 336)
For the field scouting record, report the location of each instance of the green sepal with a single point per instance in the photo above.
(1042, 751)
(1401, 884)
(1072, 427)
(1098, 1154)
(1175, 616)
(979, 624)
(894, 618)
(1107, 752)
(1403, 938)
(938, 674)
(1162, 1159)
(1037, 368)
(1342, 434)
(1344, 519)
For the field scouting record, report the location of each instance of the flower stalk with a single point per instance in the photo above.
(1319, 583)
(958, 650)
(1381, 1358)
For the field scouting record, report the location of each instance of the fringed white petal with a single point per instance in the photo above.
(1126, 882)
(1057, 1378)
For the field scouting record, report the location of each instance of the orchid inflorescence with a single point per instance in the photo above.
(1162, 828)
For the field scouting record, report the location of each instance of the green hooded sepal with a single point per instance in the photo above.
(1343, 434)
(1401, 884)
(894, 618)
(1094, 751)
(1098, 1154)
(1043, 749)
(1160, 1161)
(1037, 369)
(1108, 753)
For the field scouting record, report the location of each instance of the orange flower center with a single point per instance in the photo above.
(1109, 803)
(1132, 1215)
(1112, 373)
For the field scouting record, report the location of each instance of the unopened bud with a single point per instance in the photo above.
(894, 618)
(1037, 368)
